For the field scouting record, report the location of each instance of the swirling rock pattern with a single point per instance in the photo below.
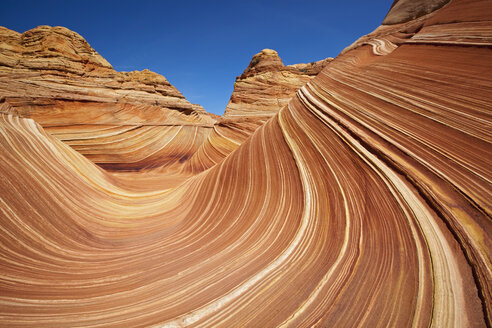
(265, 87)
(406, 10)
(52, 75)
(363, 202)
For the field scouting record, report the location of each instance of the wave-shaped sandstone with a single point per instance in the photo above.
(52, 75)
(365, 201)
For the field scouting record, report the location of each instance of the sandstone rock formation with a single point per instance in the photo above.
(75, 94)
(259, 93)
(267, 85)
(363, 202)
(52, 75)
(403, 11)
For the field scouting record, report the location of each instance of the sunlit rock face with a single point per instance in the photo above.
(267, 85)
(132, 121)
(52, 75)
(365, 201)
(402, 11)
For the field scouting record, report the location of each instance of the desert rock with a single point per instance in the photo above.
(364, 201)
(52, 75)
(267, 85)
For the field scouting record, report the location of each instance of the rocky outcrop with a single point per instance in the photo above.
(403, 11)
(52, 75)
(259, 93)
(267, 85)
(56, 63)
(363, 202)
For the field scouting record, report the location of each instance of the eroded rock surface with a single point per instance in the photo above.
(363, 202)
(267, 85)
(52, 75)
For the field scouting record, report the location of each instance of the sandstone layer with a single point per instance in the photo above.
(406, 10)
(267, 85)
(363, 202)
(52, 75)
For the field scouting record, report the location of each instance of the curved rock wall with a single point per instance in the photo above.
(52, 75)
(364, 202)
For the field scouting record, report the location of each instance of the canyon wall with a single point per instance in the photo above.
(365, 201)
(52, 75)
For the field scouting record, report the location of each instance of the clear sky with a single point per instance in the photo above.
(201, 46)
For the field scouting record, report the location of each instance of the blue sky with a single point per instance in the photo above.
(201, 46)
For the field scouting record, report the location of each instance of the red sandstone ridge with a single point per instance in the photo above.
(364, 202)
(71, 70)
(259, 93)
(402, 11)
(77, 96)
(267, 85)
(52, 75)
